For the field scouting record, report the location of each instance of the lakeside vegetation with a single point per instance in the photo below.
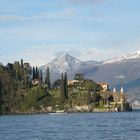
(23, 90)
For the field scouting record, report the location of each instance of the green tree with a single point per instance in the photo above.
(66, 86)
(34, 73)
(79, 76)
(89, 85)
(47, 79)
(57, 84)
(27, 73)
(64, 89)
(96, 99)
(62, 93)
(89, 98)
(10, 68)
(1, 97)
(41, 76)
(22, 64)
(17, 71)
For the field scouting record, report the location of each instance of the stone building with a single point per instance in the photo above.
(104, 85)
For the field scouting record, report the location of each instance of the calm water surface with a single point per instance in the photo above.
(77, 126)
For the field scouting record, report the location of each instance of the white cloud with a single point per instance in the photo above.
(43, 54)
(99, 54)
(40, 55)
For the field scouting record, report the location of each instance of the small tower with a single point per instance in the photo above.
(122, 91)
(114, 90)
(122, 99)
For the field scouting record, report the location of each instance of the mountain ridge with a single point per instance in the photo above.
(67, 63)
(131, 56)
(127, 65)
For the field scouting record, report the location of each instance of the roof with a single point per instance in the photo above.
(103, 83)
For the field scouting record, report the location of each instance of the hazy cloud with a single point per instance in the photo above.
(64, 13)
(86, 1)
(120, 77)
(10, 17)
(98, 54)
(18, 18)
(41, 55)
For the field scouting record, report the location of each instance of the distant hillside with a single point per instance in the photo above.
(109, 72)
(133, 84)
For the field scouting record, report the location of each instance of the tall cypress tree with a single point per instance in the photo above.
(47, 79)
(22, 65)
(34, 73)
(66, 86)
(1, 98)
(64, 89)
(62, 93)
(41, 76)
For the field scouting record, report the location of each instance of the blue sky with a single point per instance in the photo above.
(40, 30)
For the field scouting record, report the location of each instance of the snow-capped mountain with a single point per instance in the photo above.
(128, 66)
(131, 56)
(63, 63)
(69, 64)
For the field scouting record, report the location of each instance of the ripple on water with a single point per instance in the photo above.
(79, 126)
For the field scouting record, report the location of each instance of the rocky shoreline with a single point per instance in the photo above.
(75, 109)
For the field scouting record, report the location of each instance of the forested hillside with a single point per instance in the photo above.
(23, 90)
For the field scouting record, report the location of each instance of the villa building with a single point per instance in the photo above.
(104, 85)
(72, 82)
(35, 82)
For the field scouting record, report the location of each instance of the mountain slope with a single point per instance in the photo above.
(128, 66)
(69, 64)
(133, 84)
(110, 71)
(64, 63)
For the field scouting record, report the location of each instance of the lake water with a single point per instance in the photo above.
(76, 126)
